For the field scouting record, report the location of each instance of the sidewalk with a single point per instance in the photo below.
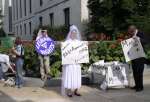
(33, 93)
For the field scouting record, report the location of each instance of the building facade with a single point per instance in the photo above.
(5, 6)
(30, 14)
(1, 9)
(7, 19)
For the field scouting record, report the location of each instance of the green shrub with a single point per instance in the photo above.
(108, 51)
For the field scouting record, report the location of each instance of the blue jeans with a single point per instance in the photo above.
(1, 72)
(19, 72)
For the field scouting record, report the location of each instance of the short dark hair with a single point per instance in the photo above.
(18, 40)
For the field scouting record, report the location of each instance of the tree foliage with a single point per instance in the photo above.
(112, 16)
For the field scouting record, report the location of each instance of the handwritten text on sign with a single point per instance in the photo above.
(74, 52)
(132, 49)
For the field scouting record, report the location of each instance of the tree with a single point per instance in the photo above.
(113, 16)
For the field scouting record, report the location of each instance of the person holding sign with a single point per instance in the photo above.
(71, 75)
(44, 47)
(138, 64)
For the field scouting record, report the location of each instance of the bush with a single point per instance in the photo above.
(108, 51)
(103, 50)
(31, 62)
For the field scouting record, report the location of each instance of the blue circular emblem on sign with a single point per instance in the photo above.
(45, 45)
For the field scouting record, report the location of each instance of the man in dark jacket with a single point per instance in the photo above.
(138, 64)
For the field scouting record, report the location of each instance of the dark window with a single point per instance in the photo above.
(25, 29)
(41, 2)
(67, 16)
(20, 29)
(20, 8)
(30, 28)
(40, 21)
(30, 6)
(51, 19)
(25, 7)
(14, 15)
(10, 19)
(17, 8)
(17, 30)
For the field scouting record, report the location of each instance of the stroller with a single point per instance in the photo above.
(7, 68)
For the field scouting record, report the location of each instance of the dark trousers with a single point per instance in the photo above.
(138, 69)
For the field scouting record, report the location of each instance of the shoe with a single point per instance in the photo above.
(77, 94)
(70, 95)
(139, 89)
(133, 88)
(19, 86)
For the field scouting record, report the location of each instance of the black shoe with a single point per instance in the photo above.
(139, 90)
(70, 95)
(77, 94)
(133, 88)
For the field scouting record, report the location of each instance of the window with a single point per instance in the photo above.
(41, 2)
(10, 18)
(67, 16)
(30, 6)
(25, 29)
(25, 7)
(20, 29)
(51, 19)
(17, 30)
(14, 10)
(30, 28)
(20, 9)
(17, 8)
(40, 21)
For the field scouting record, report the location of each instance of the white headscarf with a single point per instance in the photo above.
(39, 35)
(74, 28)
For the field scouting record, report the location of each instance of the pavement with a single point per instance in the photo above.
(33, 92)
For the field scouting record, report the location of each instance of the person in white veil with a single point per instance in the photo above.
(71, 75)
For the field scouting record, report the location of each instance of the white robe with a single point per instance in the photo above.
(72, 76)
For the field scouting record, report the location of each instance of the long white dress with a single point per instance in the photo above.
(72, 76)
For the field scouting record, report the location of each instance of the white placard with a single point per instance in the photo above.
(132, 49)
(6, 62)
(74, 52)
(98, 68)
(117, 76)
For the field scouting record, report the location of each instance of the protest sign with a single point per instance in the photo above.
(132, 49)
(5, 62)
(74, 52)
(117, 75)
(45, 45)
(98, 68)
